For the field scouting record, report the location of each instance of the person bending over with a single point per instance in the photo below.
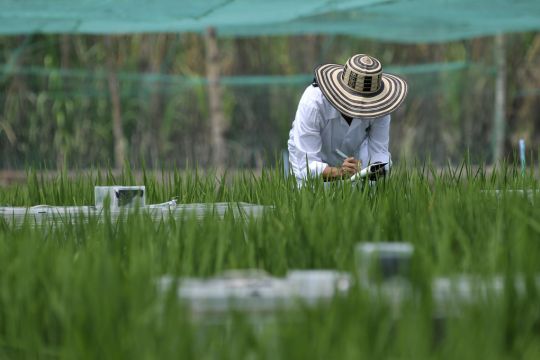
(343, 119)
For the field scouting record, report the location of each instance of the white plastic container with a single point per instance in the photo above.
(383, 261)
(254, 291)
(120, 196)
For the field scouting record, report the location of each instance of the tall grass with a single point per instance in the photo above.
(87, 290)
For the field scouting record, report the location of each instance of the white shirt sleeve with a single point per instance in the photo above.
(379, 136)
(307, 140)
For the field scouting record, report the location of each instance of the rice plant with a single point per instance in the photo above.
(87, 289)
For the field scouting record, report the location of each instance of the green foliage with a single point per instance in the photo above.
(56, 108)
(86, 289)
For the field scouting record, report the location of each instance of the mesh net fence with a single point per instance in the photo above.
(65, 109)
(397, 20)
(165, 117)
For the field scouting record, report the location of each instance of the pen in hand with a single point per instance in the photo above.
(341, 154)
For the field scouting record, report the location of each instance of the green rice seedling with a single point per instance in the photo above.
(86, 288)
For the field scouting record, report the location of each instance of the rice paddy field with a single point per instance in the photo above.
(87, 289)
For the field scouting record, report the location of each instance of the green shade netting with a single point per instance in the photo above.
(398, 20)
(237, 80)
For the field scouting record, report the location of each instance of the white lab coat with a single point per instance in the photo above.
(318, 129)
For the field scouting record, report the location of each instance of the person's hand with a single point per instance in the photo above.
(349, 167)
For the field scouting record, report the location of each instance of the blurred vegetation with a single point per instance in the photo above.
(86, 288)
(56, 101)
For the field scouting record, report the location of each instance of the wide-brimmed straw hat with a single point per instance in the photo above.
(360, 89)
